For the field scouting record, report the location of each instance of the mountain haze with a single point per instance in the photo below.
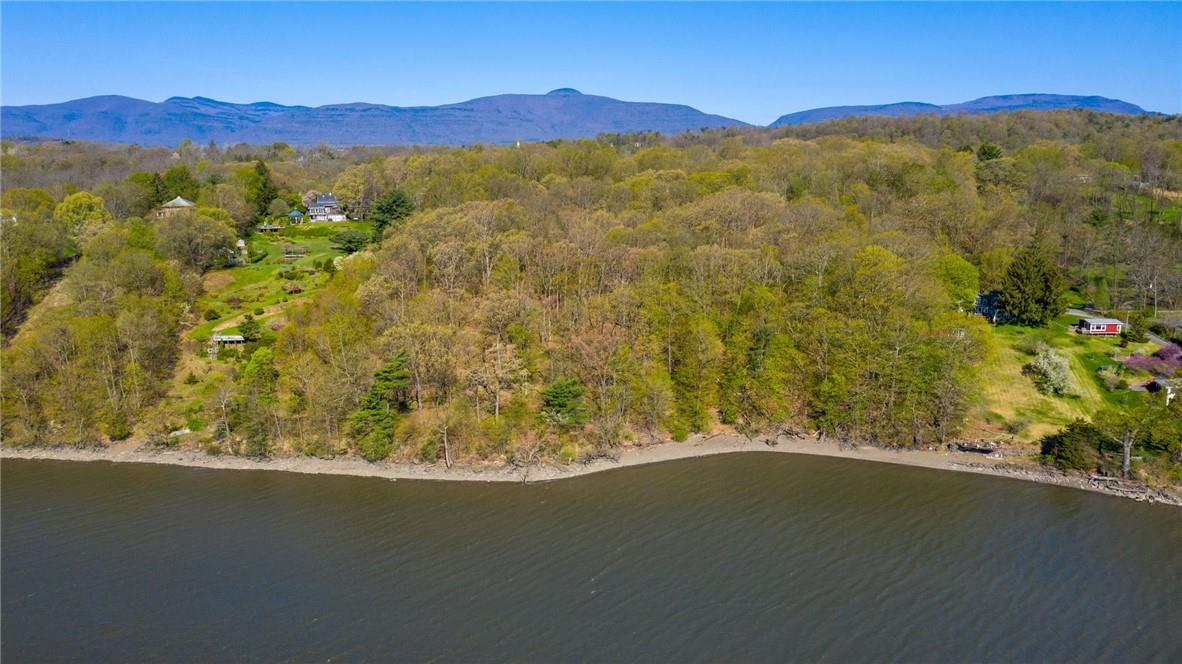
(994, 104)
(561, 113)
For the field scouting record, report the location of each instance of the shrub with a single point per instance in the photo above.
(259, 311)
(376, 445)
(1165, 361)
(678, 430)
(1032, 345)
(1017, 425)
(1135, 331)
(250, 329)
(191, 379)
(1073, 447)
(1110, 376)
(568, 453)
(211, 314)
(1051, 373)
(318, 447)
(1170, 331)
(429, 449)
(117, 427)
(350, 241)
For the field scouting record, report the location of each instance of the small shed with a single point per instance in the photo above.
(1099, 326)
(215, 343)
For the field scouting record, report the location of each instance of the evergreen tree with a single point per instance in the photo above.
(373, 422)
(1032, 290)
(260, 190)
(350, 241)
(250, 329)
(392, 207)
(255, 408)
(988, 151)
(1073, 447)
(562, 403)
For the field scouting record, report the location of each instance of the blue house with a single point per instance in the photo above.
(325, 208)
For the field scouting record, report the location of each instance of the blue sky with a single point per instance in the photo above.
(753, 62)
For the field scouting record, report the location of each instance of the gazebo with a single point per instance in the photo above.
(295, 217)
(174, 206)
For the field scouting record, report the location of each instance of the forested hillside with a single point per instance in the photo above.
(557, 300)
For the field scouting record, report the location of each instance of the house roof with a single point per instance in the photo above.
(325, 199)
(229, 337)
(179, 202)
(1102, 321)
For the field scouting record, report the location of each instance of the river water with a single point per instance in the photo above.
(732, 558)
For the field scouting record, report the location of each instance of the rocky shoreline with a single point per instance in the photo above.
(695, 447)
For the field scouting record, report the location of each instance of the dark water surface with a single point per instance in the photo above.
(733, 558)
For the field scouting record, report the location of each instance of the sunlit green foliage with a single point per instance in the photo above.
(559, 299)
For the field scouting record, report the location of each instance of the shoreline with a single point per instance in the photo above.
(695, 447)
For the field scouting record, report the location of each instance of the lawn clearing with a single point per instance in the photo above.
(1011, 395)
(236, 291)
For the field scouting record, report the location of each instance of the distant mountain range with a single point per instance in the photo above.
(997, 103)
(561, 113)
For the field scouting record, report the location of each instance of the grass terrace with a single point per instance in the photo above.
(271, 282)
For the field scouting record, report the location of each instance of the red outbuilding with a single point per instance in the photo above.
(1099, 326)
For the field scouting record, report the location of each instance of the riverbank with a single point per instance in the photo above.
(698, 446)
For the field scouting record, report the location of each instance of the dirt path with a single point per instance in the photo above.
(237, 320)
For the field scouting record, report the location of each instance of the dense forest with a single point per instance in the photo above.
(557, 300)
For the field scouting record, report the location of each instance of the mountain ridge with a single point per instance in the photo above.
(504, 118)
(1032, 101)
(561, 113)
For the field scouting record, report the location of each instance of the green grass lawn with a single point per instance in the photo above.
(1011, 396)
(236, 291)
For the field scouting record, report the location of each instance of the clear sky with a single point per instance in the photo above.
(753, 62)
